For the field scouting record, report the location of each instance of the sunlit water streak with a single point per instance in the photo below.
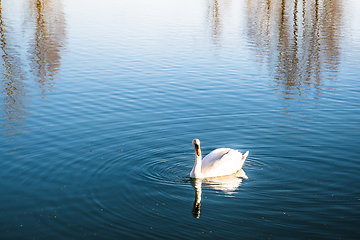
(100, 103)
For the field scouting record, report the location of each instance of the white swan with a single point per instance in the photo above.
(220, 162)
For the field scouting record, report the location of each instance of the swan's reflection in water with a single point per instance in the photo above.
(227, 184)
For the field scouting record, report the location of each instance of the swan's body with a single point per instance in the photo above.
(220, 162)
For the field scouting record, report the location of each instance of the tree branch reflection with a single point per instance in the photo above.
(15, 101)
(214, 18)
(299, 40)
(45, 21)
(48, 42)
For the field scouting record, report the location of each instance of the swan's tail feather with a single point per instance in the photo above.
(245, 156)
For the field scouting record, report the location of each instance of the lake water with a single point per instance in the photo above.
(101, 100)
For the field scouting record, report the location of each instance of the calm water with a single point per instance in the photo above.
(101, 100)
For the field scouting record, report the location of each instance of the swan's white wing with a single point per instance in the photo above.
(209, 160)
(222, 161)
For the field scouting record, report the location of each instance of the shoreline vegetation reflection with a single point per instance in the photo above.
(214, 16)
(299, 41)
(13, 82)
(43, 48)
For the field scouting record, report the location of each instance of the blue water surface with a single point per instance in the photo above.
(100, 103)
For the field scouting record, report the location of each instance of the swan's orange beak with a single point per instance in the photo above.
(197, 150)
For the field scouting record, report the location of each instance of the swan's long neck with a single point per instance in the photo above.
(197, 166)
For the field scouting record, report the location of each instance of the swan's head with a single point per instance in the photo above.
(196, 144)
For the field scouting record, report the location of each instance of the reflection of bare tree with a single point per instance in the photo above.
(298, 39)
(13, 83)
(48, 42)
(46, 19)
(214, 20)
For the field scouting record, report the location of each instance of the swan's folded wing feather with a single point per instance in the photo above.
(209, 160)
(221, 162)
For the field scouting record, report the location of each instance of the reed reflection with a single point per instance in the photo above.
(43, 39)
(299, 40)
(226, 184)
